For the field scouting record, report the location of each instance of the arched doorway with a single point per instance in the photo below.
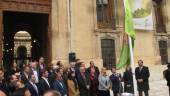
(22, 52)
(34, 23)
(33, 16)
(21, 56)
(22, 47)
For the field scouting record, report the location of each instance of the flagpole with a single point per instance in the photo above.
(132, 65)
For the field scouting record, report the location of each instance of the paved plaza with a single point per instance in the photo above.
(158, 88)
(158, 85)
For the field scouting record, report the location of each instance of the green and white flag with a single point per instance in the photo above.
(124, 59)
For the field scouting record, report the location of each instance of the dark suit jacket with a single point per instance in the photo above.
(82, 85)
(116, 83)
(96, 70)
(128, 80)
(43, 86)
(24, 78)
(51, 76)
(143, 74)
(57, 86)
(32, 89)
(167, 77)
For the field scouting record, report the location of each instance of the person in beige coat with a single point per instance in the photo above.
(72, 85)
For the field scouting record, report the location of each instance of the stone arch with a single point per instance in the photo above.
(22, 47)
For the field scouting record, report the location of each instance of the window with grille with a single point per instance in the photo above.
(105, 14)
(163, 51)
(108, 53)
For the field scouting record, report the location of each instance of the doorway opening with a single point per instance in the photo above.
(36, 24)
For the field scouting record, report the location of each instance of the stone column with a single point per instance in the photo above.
(54, 27)
(59, 30)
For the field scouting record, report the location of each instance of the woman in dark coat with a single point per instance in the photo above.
(128, 80)
(93, 83)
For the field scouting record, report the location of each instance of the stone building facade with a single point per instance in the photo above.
(92, 29)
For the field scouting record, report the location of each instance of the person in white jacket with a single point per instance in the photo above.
(104, 83)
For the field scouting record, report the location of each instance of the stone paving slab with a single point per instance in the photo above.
(157, 88)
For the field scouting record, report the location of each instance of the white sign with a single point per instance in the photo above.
(142, 14)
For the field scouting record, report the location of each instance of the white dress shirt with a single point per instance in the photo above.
(36, 76)
(46, 81)
(35, 86)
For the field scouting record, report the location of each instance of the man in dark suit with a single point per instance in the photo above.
(25, 73)
(59, 84)
(83, 82)
(115, 79)
(44, 84)
(92, 66)
(167, 76)
(142, 76)
(31, 85)
(93, 72)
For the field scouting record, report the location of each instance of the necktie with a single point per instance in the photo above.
(105, 78)
(106, 82)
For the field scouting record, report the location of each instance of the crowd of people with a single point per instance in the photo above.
(37, 79)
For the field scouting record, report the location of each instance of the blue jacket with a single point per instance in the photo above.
(61, 88)
(32, 89)
(116, 83)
